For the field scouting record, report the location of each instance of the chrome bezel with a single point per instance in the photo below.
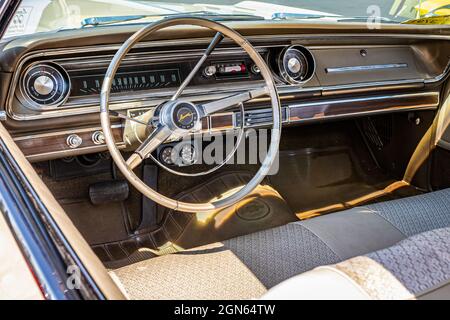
(29, 102)
(161, 153)
(311, 70)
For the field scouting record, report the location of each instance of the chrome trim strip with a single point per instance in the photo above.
(365, 113)
(373, 86)
(366, 68)
(346, 115)
(64, 132)
(376, 98)
(57, 154)
(193, 95)
(167, 56)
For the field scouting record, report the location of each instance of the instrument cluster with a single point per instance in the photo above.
(49, 85)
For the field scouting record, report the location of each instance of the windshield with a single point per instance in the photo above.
(49, 15)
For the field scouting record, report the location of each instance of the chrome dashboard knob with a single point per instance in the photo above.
(209, 71)
(294, 65)
(255, 69)
(98, 138)
(43, 85)
(74, 141)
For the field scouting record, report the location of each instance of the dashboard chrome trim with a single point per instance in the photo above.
(373, 86)
(211, 128)
(62, 132)
(366, 68)
(290, 108)
(67, 152)
(374, 98)
(91, 105)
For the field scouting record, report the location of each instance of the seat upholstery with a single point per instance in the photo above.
(415, 268)
(417, 214)
(203, 273)
(277, 254)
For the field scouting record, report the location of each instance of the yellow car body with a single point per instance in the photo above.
(434, 8)
(422, 12)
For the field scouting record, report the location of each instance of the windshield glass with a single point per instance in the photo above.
(48, 15)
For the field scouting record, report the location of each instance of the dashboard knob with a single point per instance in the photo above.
(294, 65)
(74, 141)
(43, 85)
(255, 69)
(209, 71)
(98, 137)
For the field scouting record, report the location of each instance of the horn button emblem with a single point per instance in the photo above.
(185, 116)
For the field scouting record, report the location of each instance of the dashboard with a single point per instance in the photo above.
(51, 82)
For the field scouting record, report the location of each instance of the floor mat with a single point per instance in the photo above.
(262, 209)
(97, 223)
(338, 169)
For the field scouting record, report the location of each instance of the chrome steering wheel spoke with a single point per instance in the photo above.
(212, 45)
(155, 139)
(223, 104)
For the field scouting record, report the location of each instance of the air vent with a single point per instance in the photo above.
(260, 117)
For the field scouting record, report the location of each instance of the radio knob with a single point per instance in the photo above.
(98, 137)
(74, 141)
(255, 69)
(209, 71)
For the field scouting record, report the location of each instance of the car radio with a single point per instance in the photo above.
(229, 70)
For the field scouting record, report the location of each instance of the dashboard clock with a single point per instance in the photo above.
(295, 64)
(44, 86)
(292, 65)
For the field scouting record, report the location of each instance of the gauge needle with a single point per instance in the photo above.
(184, 116)
(122, 116)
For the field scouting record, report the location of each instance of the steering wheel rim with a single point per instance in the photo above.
(270, 88)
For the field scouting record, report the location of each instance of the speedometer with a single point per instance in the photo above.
(45, 86)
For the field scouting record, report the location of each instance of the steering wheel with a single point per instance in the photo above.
(167, 125)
